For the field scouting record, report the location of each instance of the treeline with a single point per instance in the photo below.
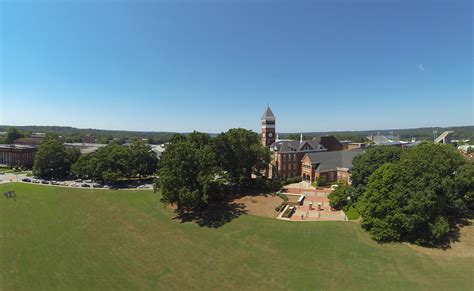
(424, 133)
(108, 164)
(72, 134)
(420, 195)
(195, 169)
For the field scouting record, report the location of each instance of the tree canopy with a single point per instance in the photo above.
(363, 166)
(12, 134)
(240, 155)
(114, 162)
(194, 168)
(419, 198)
(53, 160)
(189, 172)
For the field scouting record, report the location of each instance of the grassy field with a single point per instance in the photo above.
(58, 238)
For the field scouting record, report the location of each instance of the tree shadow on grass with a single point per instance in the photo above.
(454, 235)
(215, 216)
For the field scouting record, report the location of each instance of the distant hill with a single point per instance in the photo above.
(423, 133)
(73, 134)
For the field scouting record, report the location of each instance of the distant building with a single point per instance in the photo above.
(88, 138)
(332, 166)
(17, 155)
(349, 145)
(445, 137)
(30, 141)
(85, 148)
(158, 149)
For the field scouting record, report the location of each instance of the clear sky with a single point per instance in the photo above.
(214, 65)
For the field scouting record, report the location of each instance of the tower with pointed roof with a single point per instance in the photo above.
(268, 127)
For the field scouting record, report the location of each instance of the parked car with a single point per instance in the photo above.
(54, 183)
(28, 180)
(36, 181)
(88, 181)
(85, 185)
(44, 182)
(142, 187)
(96, 185)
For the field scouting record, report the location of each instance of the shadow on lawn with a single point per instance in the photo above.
(215, 216)
(463, 221)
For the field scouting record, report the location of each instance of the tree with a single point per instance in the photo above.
(338, 197)
(111, 163)
(83, 167)
(365, 164)
(240, 155)
(52, 160)
(72, 155)
(12, 134)
(144, 160)
(465, 183)
(419, 199)
(189, 173)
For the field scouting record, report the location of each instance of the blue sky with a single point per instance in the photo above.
(214, 65)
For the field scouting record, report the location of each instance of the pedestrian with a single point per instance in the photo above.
(302, 216)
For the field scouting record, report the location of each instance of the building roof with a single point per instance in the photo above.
(16, 146)
(297, 146)
(327, 161)
(85, 148)
(29, 140)
(268, 114)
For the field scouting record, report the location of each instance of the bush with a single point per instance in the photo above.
(351, 212)
(319, 181)
(293, 180)
(338, 198)
(284, 197)
(280, 207)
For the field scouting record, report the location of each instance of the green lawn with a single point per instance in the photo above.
(59, 238)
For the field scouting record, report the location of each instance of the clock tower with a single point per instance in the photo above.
(268, 127)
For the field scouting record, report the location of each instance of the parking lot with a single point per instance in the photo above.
(78, 183)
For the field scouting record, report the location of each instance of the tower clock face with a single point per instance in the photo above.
(270, 134)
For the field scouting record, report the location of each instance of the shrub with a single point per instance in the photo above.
(351, 212)
(338, 198)
(293, 180)
(284, 197)
(320, 181)
(280, 207)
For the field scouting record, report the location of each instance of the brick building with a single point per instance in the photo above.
(17, 155)
(332, 166)
(88, 138)
(287, 154)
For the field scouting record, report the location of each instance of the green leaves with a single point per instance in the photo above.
(240, 155)
(364, 165)
(419, 198)
(53, 160)
(194, 168)
(114, 162)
